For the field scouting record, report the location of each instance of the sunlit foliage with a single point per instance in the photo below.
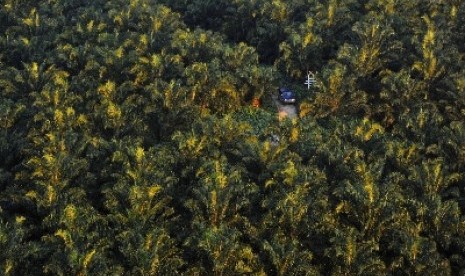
(129, 144)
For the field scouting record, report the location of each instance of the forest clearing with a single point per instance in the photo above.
(284, 110)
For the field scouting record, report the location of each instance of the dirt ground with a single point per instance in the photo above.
(285, 110)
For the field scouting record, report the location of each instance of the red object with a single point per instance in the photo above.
(256, 102)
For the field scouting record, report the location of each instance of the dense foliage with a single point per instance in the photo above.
(129, 147)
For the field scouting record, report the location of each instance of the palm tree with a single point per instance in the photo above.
(139, 207)
(220, 201)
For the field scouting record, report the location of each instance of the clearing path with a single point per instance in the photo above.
(284, 110)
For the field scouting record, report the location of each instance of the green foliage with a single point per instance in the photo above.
(129, 145)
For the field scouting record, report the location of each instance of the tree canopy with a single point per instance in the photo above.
(129, 144)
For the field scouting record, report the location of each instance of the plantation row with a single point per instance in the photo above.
(129, 145)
